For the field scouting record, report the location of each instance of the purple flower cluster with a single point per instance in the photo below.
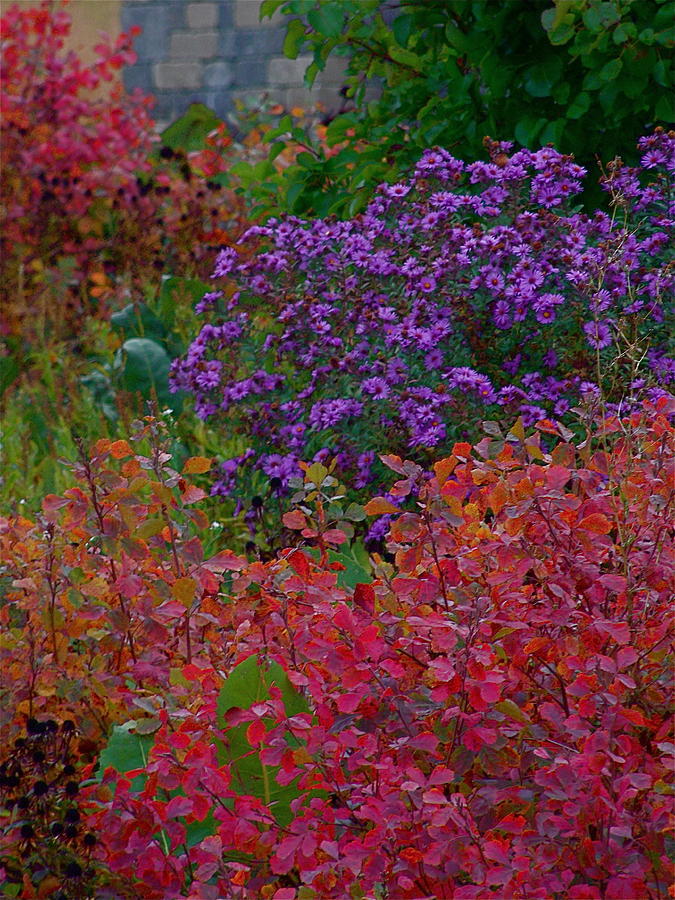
(467, 292)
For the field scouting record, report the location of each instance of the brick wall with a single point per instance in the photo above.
(214, 52)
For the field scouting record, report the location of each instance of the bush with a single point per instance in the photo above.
(465, 292)
(490, 713)
(91, 214)
(581, 74)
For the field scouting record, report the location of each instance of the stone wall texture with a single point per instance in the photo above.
(217, 52)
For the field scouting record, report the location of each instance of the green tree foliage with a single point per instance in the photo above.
(579, 74)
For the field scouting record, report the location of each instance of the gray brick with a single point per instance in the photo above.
(247, 13)
(153, 42)
(226, 9)
(192, 45)
(178, 75)
(282, 71)
(249, 73)
(228, 43)
(218, 75)
(259, 42)
(138, 76)
(201, 15)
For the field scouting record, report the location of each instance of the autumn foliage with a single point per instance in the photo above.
(92, 210)
(487, 716)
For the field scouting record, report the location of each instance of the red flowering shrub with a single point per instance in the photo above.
(488, 717)
(88, 212)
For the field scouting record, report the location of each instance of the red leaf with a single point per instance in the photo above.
(225, 561)
(255, 733)
(618, 631)
(179, 806)
(347, 703)
(395, 463)
(295, 520)
(192, 494)
(364, 597)
(299, 563)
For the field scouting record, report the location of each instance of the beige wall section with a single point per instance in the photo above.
(89, 18)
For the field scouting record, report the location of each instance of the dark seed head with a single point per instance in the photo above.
(72, 788)
(38, 756)
(275, 483)
(70, 831)
(40, 788)
(257, 502)
(68, 726)
(89, 839)
(73, 870)
(27, 831)
(56, 829)
(23, 803)
(72, 816)
(33, 726)
(68, 770)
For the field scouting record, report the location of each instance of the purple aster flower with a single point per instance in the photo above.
(376, 387)
(225, 262)
(501, 314)
(598, 334)
(550, 358)
(207, 302)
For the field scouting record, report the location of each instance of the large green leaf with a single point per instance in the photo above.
(190, 131)
(146, 368)
(249, 683)
(125, 752)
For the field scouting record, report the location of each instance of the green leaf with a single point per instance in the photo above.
(528, 128)
(665, 109)
(510, 709)
(295, 38)
(9, 372)
(610, 70)
(146, 368)
(189, 132)
(562, 34)
(327, 20)
(126, 751)
(138, 320)
(402, 28)
(540, 79)
(579, 105)
(661, 73)
(249, 683)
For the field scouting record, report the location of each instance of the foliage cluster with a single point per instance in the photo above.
(92, 208)
(581, 74)
(488, 710)
(466, 291)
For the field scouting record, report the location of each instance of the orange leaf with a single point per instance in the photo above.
(498, 497)
(597, 523)
(196, 465)
(119, 449)
(379, 506)
(462, 450)
(444, 469)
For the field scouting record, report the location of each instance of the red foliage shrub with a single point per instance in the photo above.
(489, 717)
(87, 211)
